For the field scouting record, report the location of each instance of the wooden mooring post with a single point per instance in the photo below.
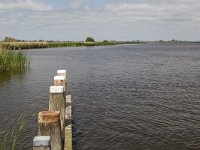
(68, 110)
(68, 137)
(68, 128)
(57, 103)
(68, 100)
(61, 81)
(49, 125)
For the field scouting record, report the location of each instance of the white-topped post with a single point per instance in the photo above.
(60, 81)
(57, 103)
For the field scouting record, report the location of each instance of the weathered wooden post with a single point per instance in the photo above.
(63, 73)
(42, 143)
(57, 103)
(68, 138)
(49, 125)
(68, 100)
(68, 119)
(68, 115)
(60, 81)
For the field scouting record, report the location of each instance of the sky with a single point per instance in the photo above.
(74, 20)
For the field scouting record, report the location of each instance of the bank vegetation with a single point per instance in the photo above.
(12, 60)
(13, 44)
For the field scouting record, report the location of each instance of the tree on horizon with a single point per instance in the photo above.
(89, 39)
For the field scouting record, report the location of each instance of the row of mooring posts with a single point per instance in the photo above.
(54, 125)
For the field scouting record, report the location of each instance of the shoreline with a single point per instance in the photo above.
(39, 45)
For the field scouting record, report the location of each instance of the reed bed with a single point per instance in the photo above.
(65, 44)
(78, 44)
(23, 45)
(35, 45)
(12, 61)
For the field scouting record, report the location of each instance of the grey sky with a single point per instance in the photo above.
(102, 19)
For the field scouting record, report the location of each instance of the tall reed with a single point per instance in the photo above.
(78, 44)
(12, 60)
(8, 138)
(23, 45)
(35, 45)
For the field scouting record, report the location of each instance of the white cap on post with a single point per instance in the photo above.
(59, 78)
(40, 141)
(57, 89)
(61, 71)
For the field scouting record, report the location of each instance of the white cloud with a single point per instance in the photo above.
(24, 5)
(161, 11)
(76, 4)
(144, 19)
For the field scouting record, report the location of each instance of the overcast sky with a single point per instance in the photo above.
(101, 19)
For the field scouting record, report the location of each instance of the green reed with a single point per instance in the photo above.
(8, 137)
(23, 45)
(12, 60)
(78, 44)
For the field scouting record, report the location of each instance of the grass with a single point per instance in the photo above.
(8, 138)
(12, 60)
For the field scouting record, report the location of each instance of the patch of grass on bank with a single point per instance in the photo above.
(12, 60)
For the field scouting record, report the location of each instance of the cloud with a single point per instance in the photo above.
(77, 4)
(179, 10)
(8, 6)
(106, 19)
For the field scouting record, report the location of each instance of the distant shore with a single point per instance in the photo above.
(54, 44)
(34, 45)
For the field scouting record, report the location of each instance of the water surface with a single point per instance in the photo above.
(124, 97)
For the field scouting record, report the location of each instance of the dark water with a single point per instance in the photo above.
(131, 97)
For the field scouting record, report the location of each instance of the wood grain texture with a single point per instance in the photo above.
(50, 126)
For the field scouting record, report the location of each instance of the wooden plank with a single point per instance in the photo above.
(68, 115)
(68, 138)
(68, 100)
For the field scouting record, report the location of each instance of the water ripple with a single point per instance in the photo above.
(124, 97)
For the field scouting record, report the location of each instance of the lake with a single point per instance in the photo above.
(125, 97)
